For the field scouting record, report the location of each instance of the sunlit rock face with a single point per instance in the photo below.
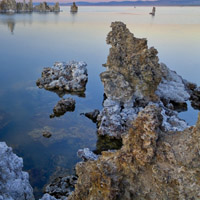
(151, 164)
(133, 63)
(14, 183)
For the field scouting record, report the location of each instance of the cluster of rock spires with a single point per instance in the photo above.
(159, 157)
(19, 7)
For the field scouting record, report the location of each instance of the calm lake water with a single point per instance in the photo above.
(31, 41)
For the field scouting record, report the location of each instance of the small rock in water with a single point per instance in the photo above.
(63, 106)
(46, 134)
(92, 115)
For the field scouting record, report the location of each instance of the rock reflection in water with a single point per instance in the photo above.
(4, 119)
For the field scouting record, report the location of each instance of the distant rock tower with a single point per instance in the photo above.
(74, 7)
(30, 6)
(24, 6)
(153, 11)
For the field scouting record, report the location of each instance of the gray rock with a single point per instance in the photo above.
(70, 77)
(14, 183)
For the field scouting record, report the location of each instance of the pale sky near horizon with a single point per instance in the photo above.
(68, 1)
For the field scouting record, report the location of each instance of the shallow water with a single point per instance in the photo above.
(31, 41)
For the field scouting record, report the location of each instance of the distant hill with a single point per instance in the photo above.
(141, 3)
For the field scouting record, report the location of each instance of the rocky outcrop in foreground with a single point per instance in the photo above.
(151, 164)
(11, 6)
(159, 157)
(14, 183)
(67, 77)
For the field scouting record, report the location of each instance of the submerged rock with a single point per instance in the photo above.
(63, 106)
(151, 164)
(70, 77)
(46, 134)
(14, 183)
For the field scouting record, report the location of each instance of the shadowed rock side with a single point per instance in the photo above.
(14, 183)
(152, 164)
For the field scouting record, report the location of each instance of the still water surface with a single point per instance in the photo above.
(28, 42)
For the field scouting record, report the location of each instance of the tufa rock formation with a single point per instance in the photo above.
(74, 8)
(153, 11)
(18, 7)
(151, 164)
(131, 60)
(160, 157)
(44, 7)
(133, 79)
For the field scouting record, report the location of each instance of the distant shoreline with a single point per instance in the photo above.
(133, 6)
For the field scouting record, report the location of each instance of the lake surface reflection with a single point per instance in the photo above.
(31, 41)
